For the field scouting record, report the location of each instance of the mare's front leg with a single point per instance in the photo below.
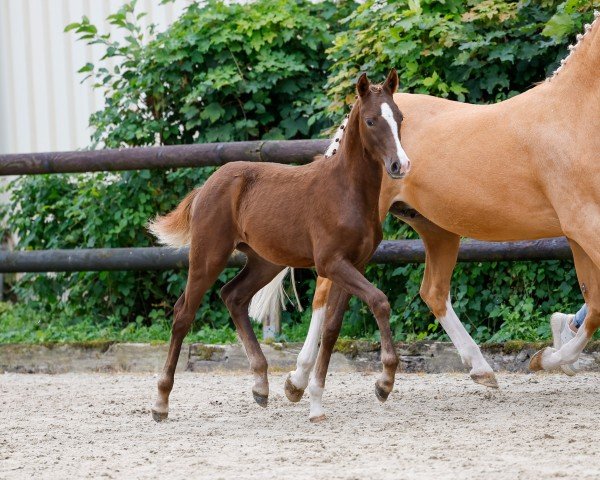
(441, 249)
(297, 380)
(348, 277)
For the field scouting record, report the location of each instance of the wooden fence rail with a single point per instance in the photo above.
(202, 155)
(162, 258)
(174, 156)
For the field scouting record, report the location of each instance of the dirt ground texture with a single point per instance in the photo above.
(433, 426)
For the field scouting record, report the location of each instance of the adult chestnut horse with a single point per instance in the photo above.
(262, 210)
(525, 168)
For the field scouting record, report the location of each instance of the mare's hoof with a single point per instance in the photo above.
(159, 416)
(486, 379)
(319, 419)
(262, 400)
(535, 364)
(292, 392)
(380, 393)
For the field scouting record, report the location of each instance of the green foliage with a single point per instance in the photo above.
(475, 51)
(219, 73)
(276, 69)
(21, 323)
(480, 52)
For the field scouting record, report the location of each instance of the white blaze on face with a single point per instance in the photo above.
(388, 115)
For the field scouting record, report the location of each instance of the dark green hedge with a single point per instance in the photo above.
(285, 69)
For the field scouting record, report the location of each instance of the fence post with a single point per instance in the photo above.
(272, 326)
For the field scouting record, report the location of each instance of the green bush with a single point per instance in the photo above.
(219, 73)
(474, 51)
(480, 52)
(280, 69)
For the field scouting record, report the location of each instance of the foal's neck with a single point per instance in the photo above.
(363, 172)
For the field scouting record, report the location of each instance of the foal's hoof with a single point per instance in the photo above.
(292, 392)
(262, 400)
(381, 394)
(535, 364)
(159, 416)
(487, 379)
(319, 419)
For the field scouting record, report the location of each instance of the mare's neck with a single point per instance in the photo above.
(578, 78)
(354, 163)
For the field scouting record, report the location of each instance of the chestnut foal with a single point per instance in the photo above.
(324, 214)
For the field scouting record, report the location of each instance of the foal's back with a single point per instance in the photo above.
(272, 206)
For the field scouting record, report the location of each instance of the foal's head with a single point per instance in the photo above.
(379, 123)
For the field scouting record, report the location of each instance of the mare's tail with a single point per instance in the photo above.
(268, 301)
(173, 229)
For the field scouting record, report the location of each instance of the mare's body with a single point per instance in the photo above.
(525, 168)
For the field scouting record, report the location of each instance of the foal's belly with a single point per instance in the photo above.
(280, 253)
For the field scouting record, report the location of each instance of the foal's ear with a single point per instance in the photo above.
(391, 82)
(363, 84)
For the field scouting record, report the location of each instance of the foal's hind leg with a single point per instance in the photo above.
(204, 269)
(441, 249)
(588, 274)
(237, 295)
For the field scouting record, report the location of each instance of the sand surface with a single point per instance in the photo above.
(433, 426)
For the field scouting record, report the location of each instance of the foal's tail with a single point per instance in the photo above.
(173, 229)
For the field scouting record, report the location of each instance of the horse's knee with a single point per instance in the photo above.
(592, 320)
(381, 306)
(435, 299)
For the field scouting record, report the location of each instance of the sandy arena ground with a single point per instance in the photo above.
(433, 426)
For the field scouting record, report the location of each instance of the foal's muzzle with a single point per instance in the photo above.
(397, 170)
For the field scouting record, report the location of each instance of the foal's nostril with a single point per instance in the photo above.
(395, 167)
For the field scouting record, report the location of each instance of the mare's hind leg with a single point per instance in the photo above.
(588, 274)
(337, 303)
(205, 267)
(237, 295)
(297, 380)
(441, 248)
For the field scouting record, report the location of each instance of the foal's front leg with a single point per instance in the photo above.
(348, 277)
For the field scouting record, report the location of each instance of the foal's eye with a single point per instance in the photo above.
(370, 122)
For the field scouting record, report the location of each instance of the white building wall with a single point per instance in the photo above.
(43, 104)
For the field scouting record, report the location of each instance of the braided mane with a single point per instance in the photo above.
(580, 39)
